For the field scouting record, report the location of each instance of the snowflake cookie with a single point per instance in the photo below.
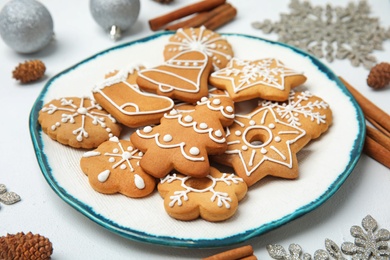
(77, 122)
(183, 77)
(114, 168)
(265, 78)
(213, 198)
(304, 110)
(211, 43)
(266, 141)
(121, 97)
(183, 141)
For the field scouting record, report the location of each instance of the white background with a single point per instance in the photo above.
(77, 36)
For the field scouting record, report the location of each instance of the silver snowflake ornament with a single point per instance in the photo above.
(8, 197)
(372, 243)
(330, 32)
(369, 243)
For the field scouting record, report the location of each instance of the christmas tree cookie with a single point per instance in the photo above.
(183, 141)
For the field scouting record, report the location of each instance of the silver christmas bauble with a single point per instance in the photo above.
(115, 15)
(26, 25)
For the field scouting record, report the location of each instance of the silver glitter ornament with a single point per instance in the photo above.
(115, 16)
(26, 25)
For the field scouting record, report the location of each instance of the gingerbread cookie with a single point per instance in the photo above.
(77, 122)
(213, 44)
(183, 77)
(213, 198)
(121, 97)
(183, 141)
(304, 110)
(266, 78)
(114, 168)
(266, 141)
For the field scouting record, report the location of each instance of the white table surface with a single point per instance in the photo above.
(74, 236)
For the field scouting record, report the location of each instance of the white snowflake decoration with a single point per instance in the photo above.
(222, 198)
(291, 109)
(330, 32)
(71, 111)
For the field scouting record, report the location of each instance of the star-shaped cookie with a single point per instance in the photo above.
(259, 144)
(265, 78)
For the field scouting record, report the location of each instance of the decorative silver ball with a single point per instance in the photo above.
(115, 15)
(26, 25)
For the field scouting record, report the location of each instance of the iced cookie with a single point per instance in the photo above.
(213, 198)
(77, 122)
(304, 110)
(114, 168)
(121, 97)
(183, 141)
(265, 78)
(267, 140)
(213, 44)
(183, 77)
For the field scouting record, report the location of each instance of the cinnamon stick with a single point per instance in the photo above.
(378, 137)
(221, 18)
(233, 254)
(377, 152)
(369, 108)
(378, 126)
(198, 19)
(201, 6)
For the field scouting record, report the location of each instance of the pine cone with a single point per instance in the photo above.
(379, 75)
(29, 71)
(25, 246)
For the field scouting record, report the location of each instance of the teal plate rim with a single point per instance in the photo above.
(36, 131)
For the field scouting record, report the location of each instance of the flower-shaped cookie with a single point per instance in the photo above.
(121, 97)
(265, 78)
(183, 141)
(213, 198)
(213, 44)
(114, 168)
(77, 122)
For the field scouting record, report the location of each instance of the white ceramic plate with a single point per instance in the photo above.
(324, 164)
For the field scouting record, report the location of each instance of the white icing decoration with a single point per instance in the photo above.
(71, 111)
(121, 77)
(252, 73)
(91, 154)
(188, 118)
(175, 63)
(202, 42)
(216, 101)
(267, 151)
(221, 198)
(203, 125)
(164, 146)
(103, 176)
(148, 129)
(194, 151)
(167, 138)
(296, 106)
(139, 182)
